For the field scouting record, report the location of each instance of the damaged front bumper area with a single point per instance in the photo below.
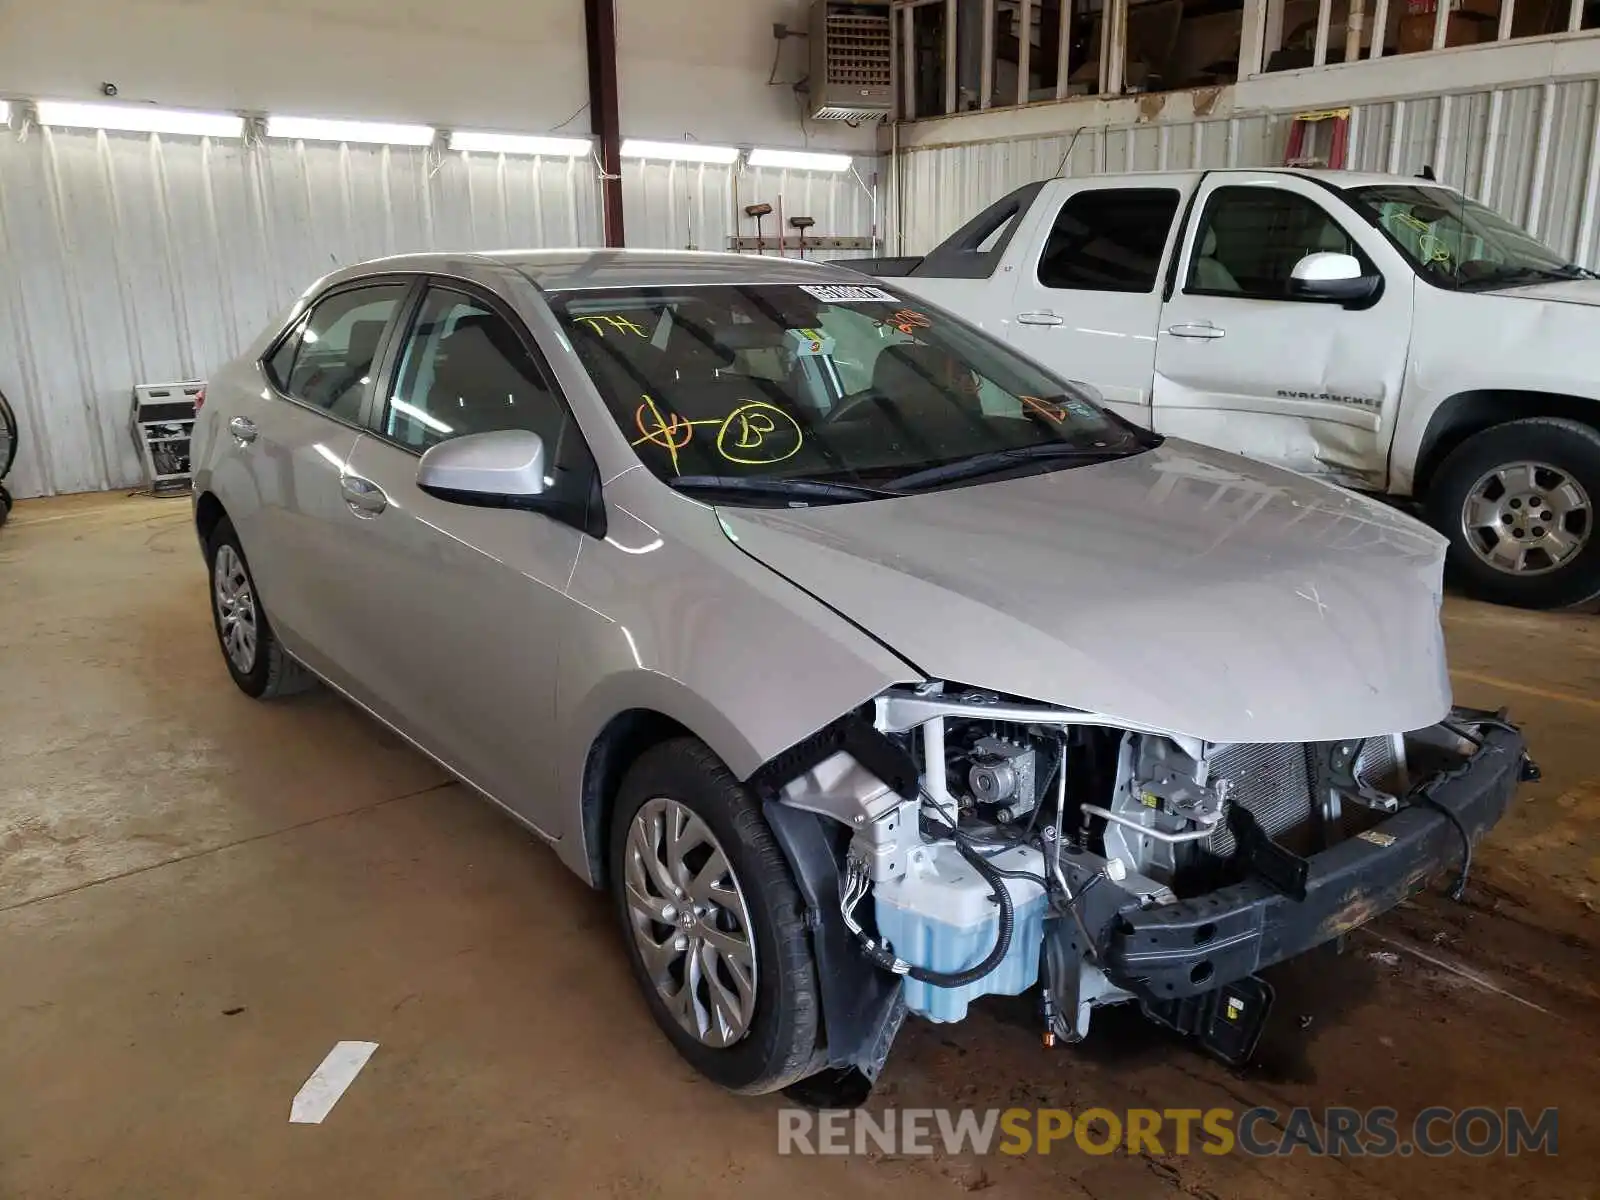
(954, 844)
(1189, 947)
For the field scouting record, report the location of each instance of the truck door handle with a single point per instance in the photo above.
(1200, 329)
(243, 428)
(1038, 318)
(365, 498)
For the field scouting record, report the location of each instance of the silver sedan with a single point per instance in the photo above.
(872, 668)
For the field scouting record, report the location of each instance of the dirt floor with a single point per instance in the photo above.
(200, 895)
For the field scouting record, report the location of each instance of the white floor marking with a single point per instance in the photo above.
(1457, 969)
(318, 1095)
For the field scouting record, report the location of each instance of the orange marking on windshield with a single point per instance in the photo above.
(1045, 409)
(671, 434)
(908, 321)
(741, 435)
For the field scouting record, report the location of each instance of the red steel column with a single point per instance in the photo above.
(600, 24)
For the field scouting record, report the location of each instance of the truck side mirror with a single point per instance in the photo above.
(1335, 278)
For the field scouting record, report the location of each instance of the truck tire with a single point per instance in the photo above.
(714, 925)
(1519, 504)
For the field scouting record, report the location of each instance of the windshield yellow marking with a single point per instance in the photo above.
(617, 321)
(752, 423)
(745, 430)
(665, 433)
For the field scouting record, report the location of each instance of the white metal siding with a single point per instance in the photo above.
(127, 258)
(1531, 152)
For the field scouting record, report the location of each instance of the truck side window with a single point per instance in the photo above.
(1109, 240)
(1250, 238)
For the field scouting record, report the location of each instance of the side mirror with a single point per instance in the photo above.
(503, 469)
(1336, 278)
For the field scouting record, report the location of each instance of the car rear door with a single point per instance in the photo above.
(1087, 297)
(1244, 365)
(293, 445)
(458, 645)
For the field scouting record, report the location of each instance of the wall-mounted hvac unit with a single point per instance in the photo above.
(850, 77)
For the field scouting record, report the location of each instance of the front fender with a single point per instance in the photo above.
(677, 620)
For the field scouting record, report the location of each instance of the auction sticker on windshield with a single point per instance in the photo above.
(848, 293)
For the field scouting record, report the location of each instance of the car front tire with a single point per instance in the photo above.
(1519, 503)
(713, 923)
(251, 651)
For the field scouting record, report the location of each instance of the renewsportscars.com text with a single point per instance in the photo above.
(1260, 1132)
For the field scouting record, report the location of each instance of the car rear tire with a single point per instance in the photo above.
(1519, 504)
(713, 923)
(251, 651)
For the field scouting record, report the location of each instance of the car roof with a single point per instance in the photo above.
(1338, 179)
(575, 268)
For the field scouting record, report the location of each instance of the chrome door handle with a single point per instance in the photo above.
(364, 498)
(1200, 329)
(243, 428)
(1038, 318)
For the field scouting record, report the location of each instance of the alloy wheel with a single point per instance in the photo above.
(1527, 518)
(236, 608)
(690, 922)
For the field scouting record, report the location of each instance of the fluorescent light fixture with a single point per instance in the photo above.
(136, 118)
(680, 151)
(516, 143)
(315, 129)
(5, 112)
(799, 160)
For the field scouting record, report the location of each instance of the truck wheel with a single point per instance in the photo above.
(1519, 503)
(714, 925)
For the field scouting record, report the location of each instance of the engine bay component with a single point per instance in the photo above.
(1111, 864)
(1002, 774)
(941, 914)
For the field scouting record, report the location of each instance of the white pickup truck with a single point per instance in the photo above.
(1381, 332)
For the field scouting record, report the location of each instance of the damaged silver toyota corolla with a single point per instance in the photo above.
(871, 667)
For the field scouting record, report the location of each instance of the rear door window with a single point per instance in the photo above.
(1109, 240)
(328, 361)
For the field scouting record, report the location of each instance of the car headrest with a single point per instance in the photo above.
(1208, 243)
(363, 345)
(1333, 238)
(910, 369)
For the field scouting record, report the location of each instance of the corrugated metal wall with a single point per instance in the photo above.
(1531, 152)
(127, 258)
(692, 206)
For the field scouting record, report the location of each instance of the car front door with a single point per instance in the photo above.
(1087, 304)
(1245, 364)
(294, 442)
(465, 605)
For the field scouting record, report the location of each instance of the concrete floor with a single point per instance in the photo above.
(200, 894)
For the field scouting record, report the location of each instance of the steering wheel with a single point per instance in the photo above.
(854, 407)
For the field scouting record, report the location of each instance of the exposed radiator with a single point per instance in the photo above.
(1272, 781)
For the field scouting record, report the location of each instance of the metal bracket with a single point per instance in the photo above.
(794, 242)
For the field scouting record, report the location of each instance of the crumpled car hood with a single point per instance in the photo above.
(1182, 588)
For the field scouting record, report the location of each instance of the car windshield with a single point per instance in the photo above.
(766, 389)
(1460, 243)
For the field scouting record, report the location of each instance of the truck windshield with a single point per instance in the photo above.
(1459, 243)
(722, 386)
